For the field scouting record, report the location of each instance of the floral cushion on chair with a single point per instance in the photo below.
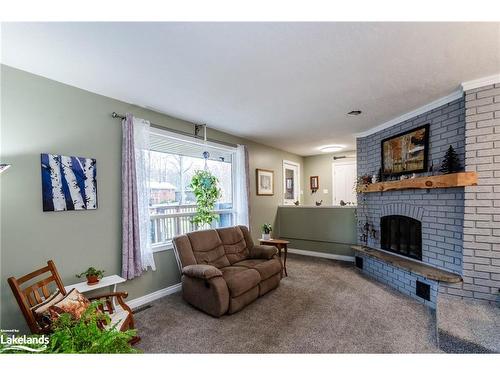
(41, 311)
(73, 303)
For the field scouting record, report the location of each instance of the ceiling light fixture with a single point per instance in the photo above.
(331, 148)
(355, 112)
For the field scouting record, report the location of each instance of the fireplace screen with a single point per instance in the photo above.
(401, 235)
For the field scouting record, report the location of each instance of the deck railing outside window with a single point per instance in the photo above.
(168, 221)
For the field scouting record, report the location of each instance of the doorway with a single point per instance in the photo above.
(344, 180)
(291, 184)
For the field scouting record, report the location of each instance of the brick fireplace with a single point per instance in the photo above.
(428, 226)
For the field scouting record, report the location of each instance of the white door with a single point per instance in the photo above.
(291, 185)
(344, 179)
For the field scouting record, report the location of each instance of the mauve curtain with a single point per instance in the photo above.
(242, 188)
(136, 244)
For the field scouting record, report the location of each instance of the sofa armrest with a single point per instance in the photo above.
(262, 252)
(201, 271)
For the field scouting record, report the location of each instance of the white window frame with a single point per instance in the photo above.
(289, 202)
(164, 246)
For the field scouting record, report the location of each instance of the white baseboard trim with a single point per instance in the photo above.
(136, 302)
(317, 254)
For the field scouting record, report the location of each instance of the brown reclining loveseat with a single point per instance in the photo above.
(222, 269)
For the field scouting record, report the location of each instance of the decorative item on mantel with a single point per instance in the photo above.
(319, 203)
(430, 170)
(266, 231)
(451, 162)
(296, 203)
(406, 152)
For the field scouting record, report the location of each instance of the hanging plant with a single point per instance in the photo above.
(206, 191)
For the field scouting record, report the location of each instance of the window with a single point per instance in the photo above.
(174, 160)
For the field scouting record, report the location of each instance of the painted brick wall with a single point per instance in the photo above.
(481, 261)
(402, 280)
(440, 210)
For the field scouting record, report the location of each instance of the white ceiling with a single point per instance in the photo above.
(287, 85)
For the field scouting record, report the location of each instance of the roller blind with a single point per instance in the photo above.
(171, 144)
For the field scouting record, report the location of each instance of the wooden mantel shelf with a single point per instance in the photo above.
(429, 182)
(426, 270)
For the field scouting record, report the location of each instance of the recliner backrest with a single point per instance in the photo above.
(207, 248)
(220, 247)
(235, 245)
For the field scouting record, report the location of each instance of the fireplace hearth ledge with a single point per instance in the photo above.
(425, 270)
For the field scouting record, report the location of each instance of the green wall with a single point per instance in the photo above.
(321, 229)
(39, 115)
(320, 165)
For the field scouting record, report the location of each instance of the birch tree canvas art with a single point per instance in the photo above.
(68, 183)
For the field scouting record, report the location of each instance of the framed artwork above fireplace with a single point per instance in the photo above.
(406, 152)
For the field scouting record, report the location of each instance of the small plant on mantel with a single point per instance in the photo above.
(266, 231)
(92, 274)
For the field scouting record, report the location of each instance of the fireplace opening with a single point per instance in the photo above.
(401, 235)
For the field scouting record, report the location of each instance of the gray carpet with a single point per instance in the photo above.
(468, 326)
(323, 306)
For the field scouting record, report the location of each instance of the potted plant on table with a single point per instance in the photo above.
(92, 274)
(266, 231)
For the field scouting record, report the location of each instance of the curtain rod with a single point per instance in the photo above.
(180, 132)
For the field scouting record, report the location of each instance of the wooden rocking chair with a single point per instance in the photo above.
(38, 291)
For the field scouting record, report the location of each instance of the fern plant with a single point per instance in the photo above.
(206, 191)
(86, 335)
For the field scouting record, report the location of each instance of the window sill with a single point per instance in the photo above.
(162, 247)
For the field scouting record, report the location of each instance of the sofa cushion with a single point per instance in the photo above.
(207, 248)
(240, 279)
(262, 252)
(234, 243)
(266, 268)
(246, 235)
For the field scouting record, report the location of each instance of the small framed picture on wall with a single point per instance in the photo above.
(314, 182)
(265, 181)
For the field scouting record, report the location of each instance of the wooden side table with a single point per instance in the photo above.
(279, 244)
